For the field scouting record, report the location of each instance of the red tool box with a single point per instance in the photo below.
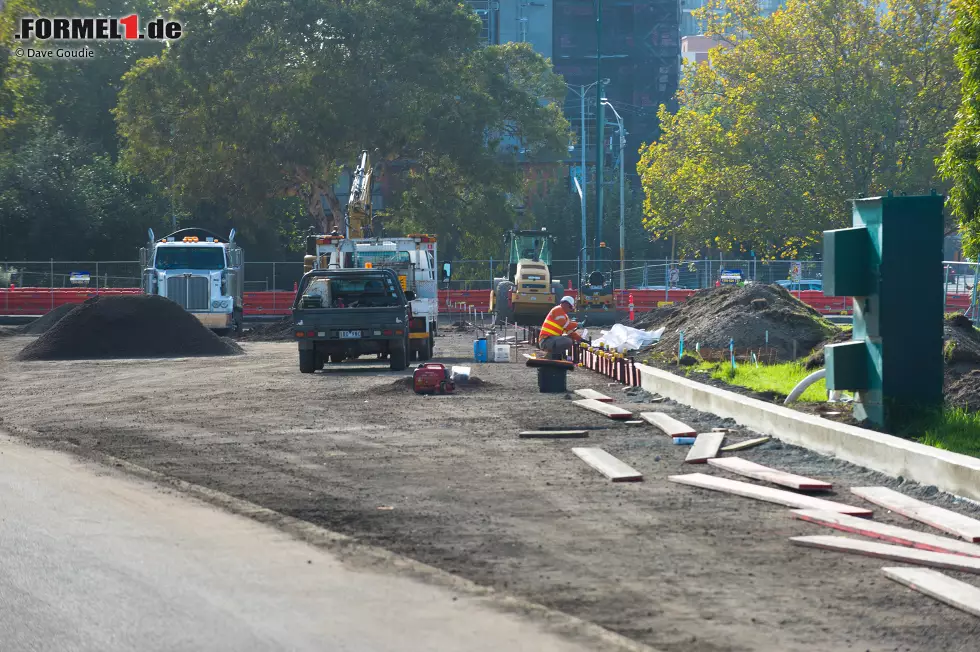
(432, 378)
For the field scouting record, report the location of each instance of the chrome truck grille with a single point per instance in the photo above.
(190, 292)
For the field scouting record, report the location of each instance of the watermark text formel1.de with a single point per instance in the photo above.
(96, 29)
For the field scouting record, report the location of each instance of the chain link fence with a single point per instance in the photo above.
(960, 278)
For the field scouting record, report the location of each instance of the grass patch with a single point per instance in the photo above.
(779, 378)
(951, 429)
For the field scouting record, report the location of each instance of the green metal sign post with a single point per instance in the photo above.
(890, 264)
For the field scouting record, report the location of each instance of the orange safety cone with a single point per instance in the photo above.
(631, 307)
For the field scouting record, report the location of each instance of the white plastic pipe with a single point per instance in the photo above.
(803, 384)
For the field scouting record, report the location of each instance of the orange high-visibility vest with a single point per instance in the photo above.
(557, 323)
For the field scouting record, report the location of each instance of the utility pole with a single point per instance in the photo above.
(599, 137)
(622, 206)
(585, 243)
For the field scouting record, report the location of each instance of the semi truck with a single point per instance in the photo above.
(200, 271)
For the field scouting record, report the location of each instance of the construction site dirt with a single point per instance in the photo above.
(447, 481)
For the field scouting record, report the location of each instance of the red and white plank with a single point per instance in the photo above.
(955, 593)
(607, 465)
(759, 472)
(604, 409)
(894, 553)
(767, 494)
(942, 519)
(890, 533)
(591, 393)
(705, 447)
(669, 425)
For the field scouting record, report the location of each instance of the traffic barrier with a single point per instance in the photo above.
(37, 301)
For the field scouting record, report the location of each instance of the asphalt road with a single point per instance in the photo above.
(90, 560)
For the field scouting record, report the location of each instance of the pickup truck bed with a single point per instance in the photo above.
(336, 334)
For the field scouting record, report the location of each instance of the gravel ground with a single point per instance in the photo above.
(677, 568)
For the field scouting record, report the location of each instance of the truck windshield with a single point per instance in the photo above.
(350, 292)
(383, 258)
(209, 258)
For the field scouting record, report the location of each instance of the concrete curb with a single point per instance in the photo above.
(950, 472)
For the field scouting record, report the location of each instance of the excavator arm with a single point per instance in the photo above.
(359, 212)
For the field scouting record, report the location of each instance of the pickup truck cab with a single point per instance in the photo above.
(341, 314)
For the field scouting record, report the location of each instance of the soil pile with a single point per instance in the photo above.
(715, 316)
(134, 326)
(43, 324)
(961, 351)
(654, 318)
(275, 331)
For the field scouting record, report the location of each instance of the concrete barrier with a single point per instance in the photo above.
(951, 472)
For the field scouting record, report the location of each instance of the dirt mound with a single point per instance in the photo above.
(715, 316)
(134, 326)
(275, 331)
(961, 341)
(43, 324)
(655, 317)
(964, 391)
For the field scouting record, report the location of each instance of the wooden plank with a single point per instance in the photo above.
(669, 425)
(955, 593)
(759, 472)
(554, 434)
(591, 393)
(767, 494)
(894, 553)
(942, 519)
(885, 532)
(604, 409)
(608, 465)
(705, 447)
(633, 423)
(742, 445)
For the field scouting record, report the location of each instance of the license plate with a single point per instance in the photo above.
(349, 335)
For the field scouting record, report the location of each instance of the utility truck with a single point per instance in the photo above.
(200, 271)
(413, 260)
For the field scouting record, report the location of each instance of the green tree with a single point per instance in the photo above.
(960, 162)
(273, 99)
(823, 101)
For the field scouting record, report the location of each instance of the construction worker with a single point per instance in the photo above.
(558, 330)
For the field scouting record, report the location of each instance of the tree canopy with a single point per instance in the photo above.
(798, 112)
(960, 162)
(269, 99)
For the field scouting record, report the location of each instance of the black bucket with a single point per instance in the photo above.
(552, 380)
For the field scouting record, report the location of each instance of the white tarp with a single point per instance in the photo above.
(624, 338)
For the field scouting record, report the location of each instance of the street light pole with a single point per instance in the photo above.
(583, 188)
(622, 197)
(599, 125)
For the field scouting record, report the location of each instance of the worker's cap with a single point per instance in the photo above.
(569, 300)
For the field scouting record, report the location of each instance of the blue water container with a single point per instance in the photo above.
(480, 349)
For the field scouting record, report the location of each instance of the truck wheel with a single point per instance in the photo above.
(425, 349)
(501, 310)
(399, 356)
(307, 361)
